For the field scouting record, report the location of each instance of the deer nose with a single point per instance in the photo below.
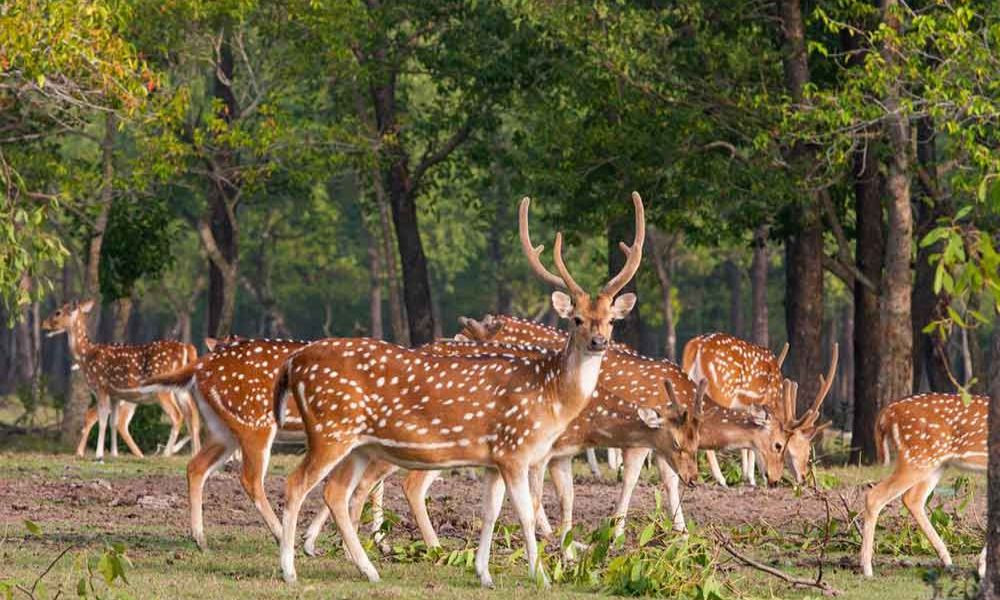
(598, 343)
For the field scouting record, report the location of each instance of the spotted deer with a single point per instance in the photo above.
(362, 399)
(111, 368)
(741, 375)
(649, 421)
(232, 387)
(631, 378)
(930, 433)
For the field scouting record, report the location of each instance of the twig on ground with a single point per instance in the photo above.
(818, 583)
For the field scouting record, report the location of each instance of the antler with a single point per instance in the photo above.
(699, 397)
(633, 252)
(825, 383)
(532, 252)
(783, 355)
(571, 283)
(788, 393)
(670, 394)
(475, 329)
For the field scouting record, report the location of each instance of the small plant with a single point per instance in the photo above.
(94, 578)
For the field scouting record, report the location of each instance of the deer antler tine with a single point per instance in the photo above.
(789, 400)
(699, 398)
(783, 355)
(634, 252)
(825, 383)
(670, 393)
(532, 252)
(571, 283)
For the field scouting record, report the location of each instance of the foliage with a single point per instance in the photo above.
(93, 576)
(138, 243)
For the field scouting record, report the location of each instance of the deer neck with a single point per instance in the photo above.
(79, 341)
(576, 378)
(723, 433)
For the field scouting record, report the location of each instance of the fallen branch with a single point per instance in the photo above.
(818, 583)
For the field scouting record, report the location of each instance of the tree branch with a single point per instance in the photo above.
(208, 242)
(843, 266)
(430, 159)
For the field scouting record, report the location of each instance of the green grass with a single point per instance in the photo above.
(243, 562)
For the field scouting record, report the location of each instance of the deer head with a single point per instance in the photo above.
(591, 318)
(63, 318)
(769, 441)
(678, 431)
(801, 431)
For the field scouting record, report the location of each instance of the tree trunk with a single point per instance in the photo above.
(804, 249)
(25, 356)
(759, 333)
(734, 281)
(397, 312)
(846, 375)
(629, 330)
(375, 290)
(79, 399)
(123, 311)
(416, 281)
(867, 340)
(991, 583)
(929, 353)
(222, 197)
(896, 357)
(662, 247)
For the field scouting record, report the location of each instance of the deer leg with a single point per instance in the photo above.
(595, 467)
(317, 464)
(103, 411)
(614, 459)
(337, 494)
(673, 484)
(915, 500)
(520, 494)
(493, 493)
(536, 476)
(198, 470)
(415, 488)
(748, 467)
(124, 420)
(315, 528)
(885, 492)
(193, 420)
(169, 406)
(256, 457)
(88, 423)
(713, 466)
(561, 470)
(634, 458)
(113, 421)
(372, 485)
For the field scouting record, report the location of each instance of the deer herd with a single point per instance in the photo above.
(511, 396)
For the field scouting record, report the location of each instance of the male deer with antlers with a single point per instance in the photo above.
(745, 376)
(112, 368)
(626, 378)
(930, 432)
(362, 398)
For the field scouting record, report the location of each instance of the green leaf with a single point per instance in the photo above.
(647, 534)
(32, 527)
(81, 588)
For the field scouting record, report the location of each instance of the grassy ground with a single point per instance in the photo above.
(243, 560)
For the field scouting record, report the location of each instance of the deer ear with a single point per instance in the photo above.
(563, 304)
(86, 306)
(623, 306)
(211, 343)
(760, 416)
(812, 431)
(460, 337)
(650, 417)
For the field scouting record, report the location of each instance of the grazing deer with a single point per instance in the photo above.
(629, 377)
(232, 388)
(112, 368)
(362, 398)
(930, 432)
(741, 375)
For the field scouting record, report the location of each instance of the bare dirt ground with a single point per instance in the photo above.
(86, 500)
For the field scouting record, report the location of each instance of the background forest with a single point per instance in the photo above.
(813, 172)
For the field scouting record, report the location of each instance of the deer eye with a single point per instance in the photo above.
(578, 321)
(777, 446)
